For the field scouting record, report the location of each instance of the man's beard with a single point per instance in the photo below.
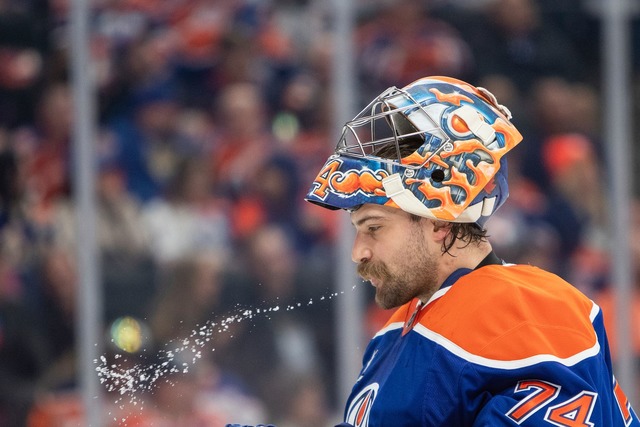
(416, 277)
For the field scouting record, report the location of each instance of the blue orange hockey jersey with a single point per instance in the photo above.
(502, 345)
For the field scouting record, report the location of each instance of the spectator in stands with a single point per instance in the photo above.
(127, 266)
(198, 396)
(400, 42)
(190, 217)
(511, 38)
(573, 165)
(23, 48)
(296, 338)
(119, 222)
(44, 155)
(606, 297)
(270, 196)
(190, 308)
(148, 144)
(56, 311)
(189, 297)
(304, 403)
(244, 140)
(23, 354)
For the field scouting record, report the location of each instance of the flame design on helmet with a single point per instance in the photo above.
(365, 181)
(444, 143)
(451, 98)
(416, 158)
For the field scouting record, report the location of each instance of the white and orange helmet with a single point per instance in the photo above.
(443, 142)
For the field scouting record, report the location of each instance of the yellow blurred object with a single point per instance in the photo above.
(126, 334)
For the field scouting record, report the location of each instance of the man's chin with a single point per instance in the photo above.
(388, 300)
(386, 303)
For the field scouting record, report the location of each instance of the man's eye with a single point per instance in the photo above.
(373, 228)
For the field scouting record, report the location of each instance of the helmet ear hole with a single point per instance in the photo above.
(437, 175)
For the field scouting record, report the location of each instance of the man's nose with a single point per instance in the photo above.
(360, 251)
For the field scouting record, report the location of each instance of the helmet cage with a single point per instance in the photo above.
(381, 124)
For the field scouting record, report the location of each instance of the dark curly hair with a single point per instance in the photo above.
(466, 232)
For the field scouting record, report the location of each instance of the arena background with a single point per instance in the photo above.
(182, 136)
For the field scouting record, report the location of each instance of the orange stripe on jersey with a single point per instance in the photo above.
(507, 313)
(403, 314)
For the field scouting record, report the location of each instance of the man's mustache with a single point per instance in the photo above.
(373, 269)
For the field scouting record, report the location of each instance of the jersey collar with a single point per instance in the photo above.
(491, 259)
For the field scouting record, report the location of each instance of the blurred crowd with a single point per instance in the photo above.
(213, 118)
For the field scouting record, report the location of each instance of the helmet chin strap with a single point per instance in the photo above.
(408, 202)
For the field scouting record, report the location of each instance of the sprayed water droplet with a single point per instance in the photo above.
(133, 382)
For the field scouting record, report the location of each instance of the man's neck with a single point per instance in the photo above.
(461, 256)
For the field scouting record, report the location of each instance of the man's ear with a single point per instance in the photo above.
(440, 230)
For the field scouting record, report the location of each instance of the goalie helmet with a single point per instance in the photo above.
(434, 148)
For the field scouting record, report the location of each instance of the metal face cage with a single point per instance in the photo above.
(386, 130)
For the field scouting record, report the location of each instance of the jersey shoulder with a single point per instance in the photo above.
(513, 312)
